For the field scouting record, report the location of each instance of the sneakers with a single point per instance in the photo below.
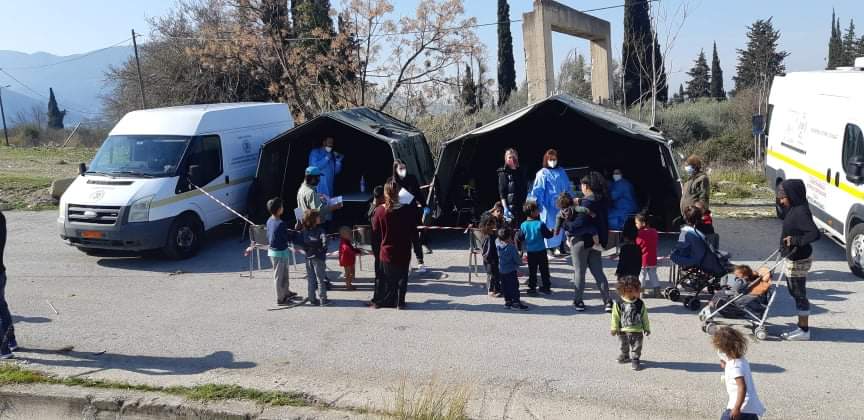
(325, 302)
(608, 307)
(290, 295)
(634, 364)
(426, 249)
(546, 290)
(532, 292)
(421, 269)
(13, 344)
(623, 358)
(314, 302)
(520, 305)
(796, 335)
(7, 356)
(579, 306)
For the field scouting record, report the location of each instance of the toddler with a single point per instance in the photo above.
(532, 233)
(743, 402)
(630, 321)
(576, 221)
(313, 238)
(647, 239)
(490, 256)
(629, 254)
(348, 255)
(508, 263)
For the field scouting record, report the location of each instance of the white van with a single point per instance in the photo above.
(814, 130)
(136, 193)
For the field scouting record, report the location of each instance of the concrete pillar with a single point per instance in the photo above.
(537, 28)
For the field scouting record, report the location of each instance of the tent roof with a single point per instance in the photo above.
(610, 119)
(375, 123)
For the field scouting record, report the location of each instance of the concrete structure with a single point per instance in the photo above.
(537, 28)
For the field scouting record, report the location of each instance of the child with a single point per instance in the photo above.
(630, 321)
(647, 239)
(347, 255)
(743, 403)
(278, 237)
(577, 220)
(490, 256)
(706, 226)
(629, 254)
(508, 263)
(743, 277)
(377, 200)
(532, 233)
(314, 241)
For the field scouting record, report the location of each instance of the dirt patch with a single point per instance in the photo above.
(26, 174)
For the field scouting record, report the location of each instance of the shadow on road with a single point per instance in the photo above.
(147, 365)
(30, 319)
(700, 367)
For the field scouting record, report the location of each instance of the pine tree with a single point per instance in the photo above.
(699, 85)
(636, 53)
(679, 97)
(55, 115)
(760, 61)
(469, 91)
(717, 91)
(835, 43)
(574, 77)
(850, 45)
(506, 63)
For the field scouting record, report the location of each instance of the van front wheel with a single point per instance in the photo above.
(184, 237)
(855, 250)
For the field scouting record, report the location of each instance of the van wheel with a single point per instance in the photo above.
(855, 250)
(184, 237)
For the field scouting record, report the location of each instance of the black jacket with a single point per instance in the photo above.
(798, 222)
(599, 208)
(2, 240)
(629, 260)
(513, 187)
(412, 185)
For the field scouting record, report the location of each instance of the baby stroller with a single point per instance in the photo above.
(688, 283)
(752, 305)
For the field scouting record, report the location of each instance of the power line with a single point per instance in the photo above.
(77, 57)
(25, 86)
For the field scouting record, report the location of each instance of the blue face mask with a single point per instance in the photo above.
(689, 169)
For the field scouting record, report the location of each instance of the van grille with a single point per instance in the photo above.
(100, 215)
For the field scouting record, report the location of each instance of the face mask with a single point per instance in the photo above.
(722, 356)
(553, 163)
(616, 177)
(401, 173)
(512, 163)
(328, 149)
(689, 169)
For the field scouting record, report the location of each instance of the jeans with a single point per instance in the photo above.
(798, 289)
(510, 287)
(585, 258)
(280, 278)
(315, 271)
(6, 326)
(631, 344)
(727, 415)
(493, 278)
(538, 260)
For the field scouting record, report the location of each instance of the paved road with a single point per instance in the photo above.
(199, 321)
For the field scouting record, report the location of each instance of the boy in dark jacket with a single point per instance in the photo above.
(278, 237)
(629, 254)
(799, 232)
(532, 233)
(490, 256)
(508, 263)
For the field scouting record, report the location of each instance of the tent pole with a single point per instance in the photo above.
(285, 171)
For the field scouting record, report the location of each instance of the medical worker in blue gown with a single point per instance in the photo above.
(623, 201)
(330, 164)
(549, 182)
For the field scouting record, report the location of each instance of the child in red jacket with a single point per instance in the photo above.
(347, 256)
(647, 239)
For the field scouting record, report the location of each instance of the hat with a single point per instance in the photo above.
(313, 171)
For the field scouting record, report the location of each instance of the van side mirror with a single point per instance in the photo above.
(192, 175)
(854, 172)
(82, 168)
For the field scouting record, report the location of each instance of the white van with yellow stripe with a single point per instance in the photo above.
(814, 131)
(136, 193)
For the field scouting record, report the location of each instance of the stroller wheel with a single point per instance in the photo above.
(711, 328)
(674, 295)
(692, 304)
(760, 333)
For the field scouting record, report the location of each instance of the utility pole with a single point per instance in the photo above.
(3, 115)
(140, 77)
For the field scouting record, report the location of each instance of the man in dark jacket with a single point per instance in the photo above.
(799, 232)
(7, 340)
(512, 188)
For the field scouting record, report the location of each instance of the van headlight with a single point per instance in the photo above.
(139, 211)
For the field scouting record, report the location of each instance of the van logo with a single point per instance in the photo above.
(247, 148)
(97, 195)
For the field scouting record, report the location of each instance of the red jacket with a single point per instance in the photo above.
(647, 239)
(397, 228)
(347, 253)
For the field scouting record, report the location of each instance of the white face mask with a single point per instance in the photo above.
(552, 163)
(722, 356)
(328, 148)
(402, 173)
(689, 169)
(617, 177)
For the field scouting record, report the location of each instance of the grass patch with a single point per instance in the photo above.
(738, 182)
(27, 172)
(433, 401)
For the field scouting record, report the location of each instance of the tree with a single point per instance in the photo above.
(760, 61)
(850, 45)
(678, 98)
(636, 51)
(835, 44)
(469, 91)
(574, 77)
(55, 115)
(699, 85)
(717, 91)
(369, 25)
(506, 63)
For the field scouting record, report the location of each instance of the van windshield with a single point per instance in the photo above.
(145, 156)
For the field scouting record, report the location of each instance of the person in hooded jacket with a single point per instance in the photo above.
(798, 233)
(512, 188)
(697, 187)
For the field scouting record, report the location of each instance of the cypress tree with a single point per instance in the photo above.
(679, 97)
(717, 91)
(636, 51)
(835, 43)
(699, 85)
(469, 91)
(55, 115)
(760, 61)
(506, 63)
(850, 45)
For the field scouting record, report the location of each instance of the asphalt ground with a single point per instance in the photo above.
(149, 320)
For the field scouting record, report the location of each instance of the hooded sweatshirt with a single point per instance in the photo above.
(797, 221)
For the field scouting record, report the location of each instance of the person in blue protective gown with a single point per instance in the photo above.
(329, 163)
(623, 201)
(549, 182)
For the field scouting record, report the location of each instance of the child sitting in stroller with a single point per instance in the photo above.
(744, 278)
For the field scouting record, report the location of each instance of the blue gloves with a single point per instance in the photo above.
(508, 215)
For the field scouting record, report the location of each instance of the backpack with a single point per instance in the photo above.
(631, 313)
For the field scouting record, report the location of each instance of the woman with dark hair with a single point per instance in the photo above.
(697, 187)
(512, 187)
(397, 226)
(550, 181)
(691, 247)
(585, 257)
(410, 183)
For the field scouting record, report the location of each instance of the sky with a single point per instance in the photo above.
(66, 27)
